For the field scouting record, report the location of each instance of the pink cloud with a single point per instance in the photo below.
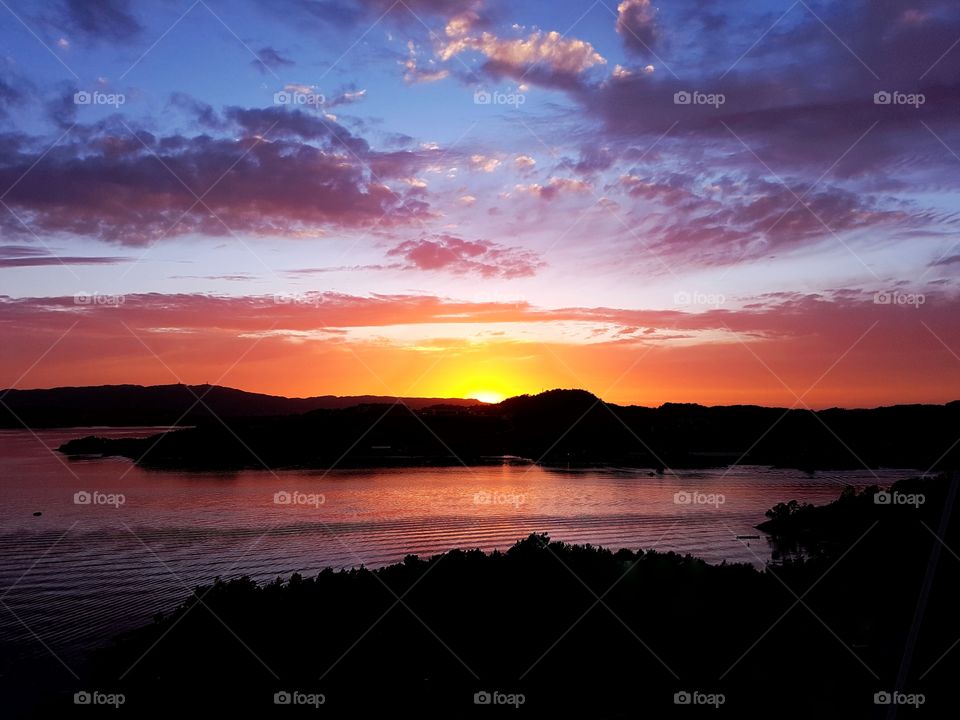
(545, 57)
(636, 23)
(482, 257)
(554, 187)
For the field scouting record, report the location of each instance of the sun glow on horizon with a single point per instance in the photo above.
(487, 396)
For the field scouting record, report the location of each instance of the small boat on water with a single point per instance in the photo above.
(748, 537)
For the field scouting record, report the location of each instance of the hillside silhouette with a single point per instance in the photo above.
(132, 405)
(559, 428)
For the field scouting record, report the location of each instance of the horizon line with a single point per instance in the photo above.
(5, 391)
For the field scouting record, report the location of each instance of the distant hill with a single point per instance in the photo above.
(559, 428)
(126, 405)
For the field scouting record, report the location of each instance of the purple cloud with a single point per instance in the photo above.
(481, 257)
(286, 172)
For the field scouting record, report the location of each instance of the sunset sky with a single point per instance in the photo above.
(715, 202)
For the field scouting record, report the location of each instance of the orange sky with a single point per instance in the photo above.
(829, 351)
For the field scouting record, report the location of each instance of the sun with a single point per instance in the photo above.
(487, 396)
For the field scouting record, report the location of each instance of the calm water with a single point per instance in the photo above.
(79, 573)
